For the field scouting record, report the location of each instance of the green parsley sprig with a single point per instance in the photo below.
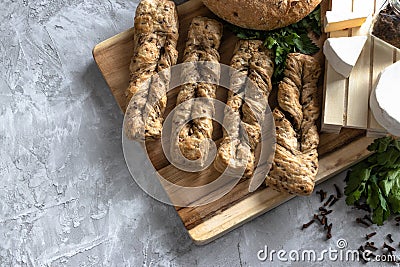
(293, 38)
(376, 180)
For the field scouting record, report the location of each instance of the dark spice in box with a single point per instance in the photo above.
(387, 25)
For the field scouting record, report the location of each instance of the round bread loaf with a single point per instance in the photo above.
(262, 14)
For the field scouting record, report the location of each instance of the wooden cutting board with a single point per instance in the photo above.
(208, 222)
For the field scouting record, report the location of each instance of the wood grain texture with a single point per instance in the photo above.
(205, 223)
(382, 57)
(335, 88)
(334, 101)
(359, 80)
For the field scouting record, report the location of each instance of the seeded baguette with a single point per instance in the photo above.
(154, 50)
(295, 165)
(203, 41)
(253, 62)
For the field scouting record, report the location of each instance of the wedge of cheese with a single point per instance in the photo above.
(336, 21)
(343, 52)
(384, 100)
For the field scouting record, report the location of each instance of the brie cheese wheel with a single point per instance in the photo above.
(336, 21)
(342, 53)
(384, 101)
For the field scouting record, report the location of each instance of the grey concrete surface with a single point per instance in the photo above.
(66, 196)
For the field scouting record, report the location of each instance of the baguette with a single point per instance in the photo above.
(154, 50)
(203, 41)
(251, 61)
(295, 165)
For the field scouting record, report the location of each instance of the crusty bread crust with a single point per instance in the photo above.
(296, 158)
(154, 50)
(203, 41)
(254, 61)
(262, 14)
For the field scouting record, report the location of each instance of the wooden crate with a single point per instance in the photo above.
(346, 101)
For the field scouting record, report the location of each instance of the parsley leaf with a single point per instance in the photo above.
(394, 199)
(357, 177)
(292, 38)
(376, 180)
(305, 45)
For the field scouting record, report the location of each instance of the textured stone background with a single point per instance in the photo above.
(66, 196)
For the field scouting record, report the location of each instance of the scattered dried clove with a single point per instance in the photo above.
(397, 224)
(316, 217)
(333, 201)
(389, 237)
(324, 220)
(329, 234)
(368, 236)
(326, 213)
(322, 209)
(306, 225)
(338, 192)
(361, 221)
(361, 250)
(329, 200)
(370, 256)
(388, 247)
(322, 194)
(371, 245)
(326, 224)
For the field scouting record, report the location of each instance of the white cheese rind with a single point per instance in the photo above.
(384, 100)
(343, 52)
